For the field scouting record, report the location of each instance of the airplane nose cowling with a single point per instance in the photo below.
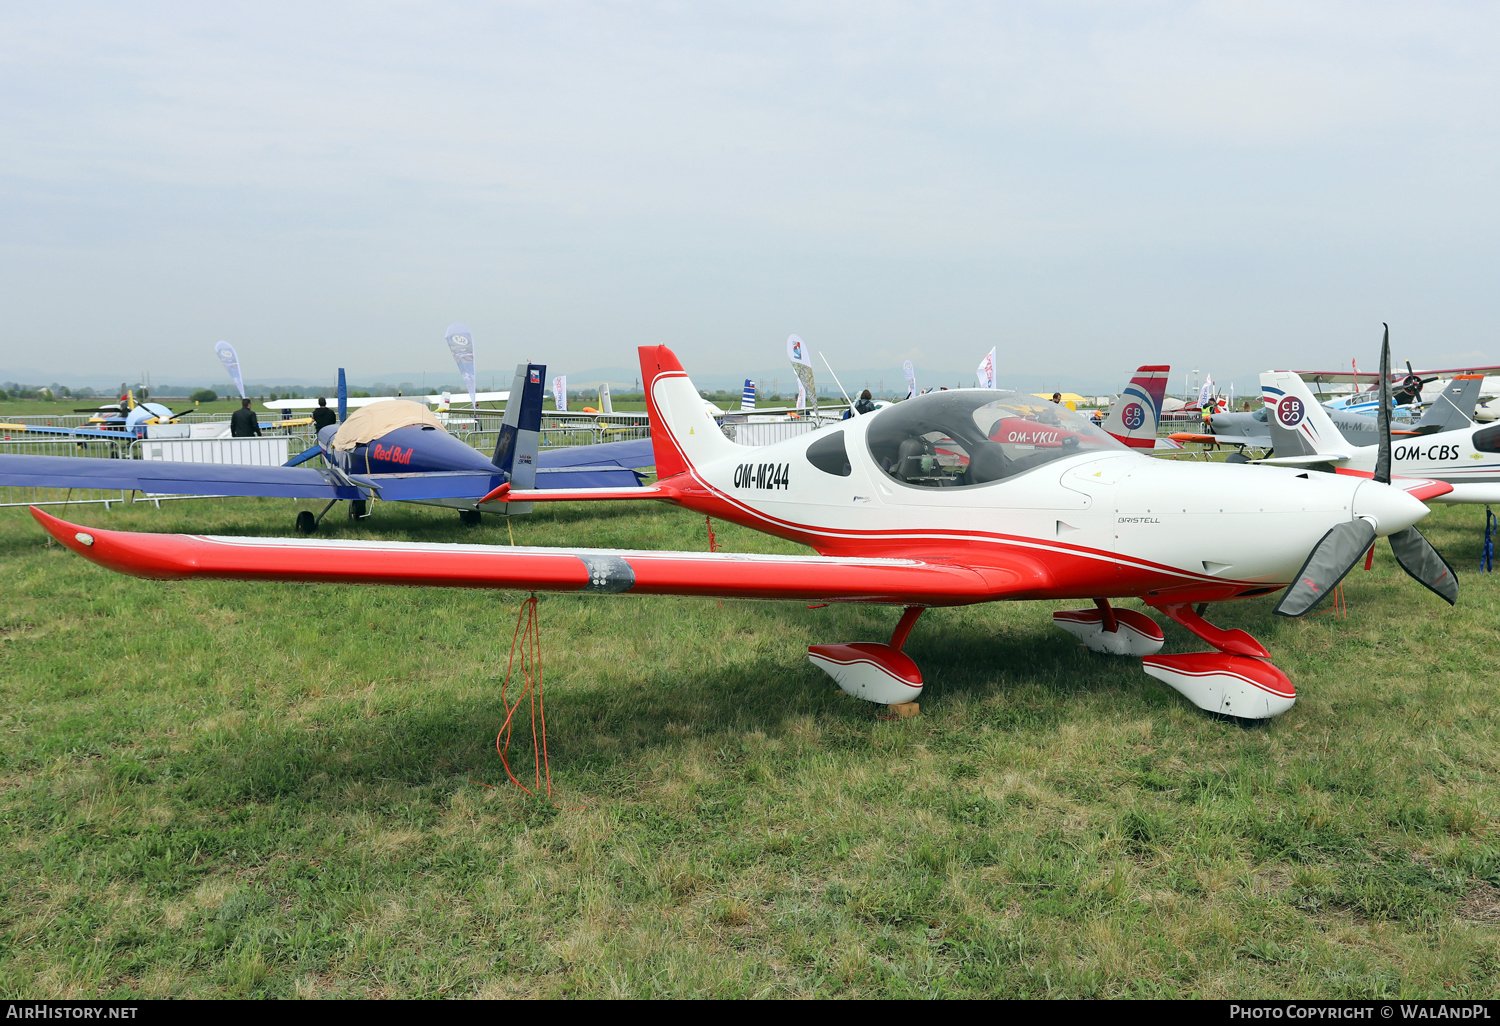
(1391, 508)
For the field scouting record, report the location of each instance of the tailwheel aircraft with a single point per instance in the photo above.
(946, 499)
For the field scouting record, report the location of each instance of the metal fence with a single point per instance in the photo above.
(105, 447)
(560, 430)
(768, 430)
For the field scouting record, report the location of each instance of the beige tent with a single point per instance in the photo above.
(370, 422)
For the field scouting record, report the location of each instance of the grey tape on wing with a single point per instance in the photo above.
(1418, 558)
(1332, 558)
(608, 574)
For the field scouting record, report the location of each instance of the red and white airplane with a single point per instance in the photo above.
(946, 499)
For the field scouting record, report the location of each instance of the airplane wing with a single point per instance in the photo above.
(78, 432)
(1339, 377)
(608, 571)
(1372, 377)
(165, 478)
(627, 455)
(1303, 461)
(1423, 488)
(311, 404)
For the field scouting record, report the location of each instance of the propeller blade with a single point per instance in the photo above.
(1333, 557)
(1425, 564)
(1383, 456)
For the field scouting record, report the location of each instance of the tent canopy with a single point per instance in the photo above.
(371, 422)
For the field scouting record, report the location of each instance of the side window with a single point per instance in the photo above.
(1488, 440)
(828, 454)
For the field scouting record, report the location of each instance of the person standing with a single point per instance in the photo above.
(323, 416)
(244, 423)
(865, 403)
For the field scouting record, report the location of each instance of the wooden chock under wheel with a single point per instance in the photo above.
(901, 711)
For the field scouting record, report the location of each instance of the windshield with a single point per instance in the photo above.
(975, 436)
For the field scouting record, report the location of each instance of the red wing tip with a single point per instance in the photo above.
(498, 494)
(1430, 490)
(67, 534)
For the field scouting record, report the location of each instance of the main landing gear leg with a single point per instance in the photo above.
(307, 523)
(878, 673)
(1112, 631)
(1237, 680)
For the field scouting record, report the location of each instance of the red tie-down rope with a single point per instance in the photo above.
(527, 638)
(713, 541)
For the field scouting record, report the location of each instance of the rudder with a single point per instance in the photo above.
(683, 432)
(1453, 409)
(1299, 424)
(521, 431)
(1134, 418)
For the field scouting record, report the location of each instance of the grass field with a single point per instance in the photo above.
(237, 789)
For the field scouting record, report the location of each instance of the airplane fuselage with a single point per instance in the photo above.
(1109, 523)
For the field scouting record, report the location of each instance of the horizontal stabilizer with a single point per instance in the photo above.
(504, 493)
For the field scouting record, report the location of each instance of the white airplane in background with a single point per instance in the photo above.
(441, 400)
(1468, 458)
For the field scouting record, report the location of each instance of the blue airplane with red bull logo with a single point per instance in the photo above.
(395, 450)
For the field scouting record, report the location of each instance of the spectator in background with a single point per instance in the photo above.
(244, 423)
(865, 403)
(323, 416)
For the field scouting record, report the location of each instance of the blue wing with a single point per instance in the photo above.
(608, 465)
(171, 478)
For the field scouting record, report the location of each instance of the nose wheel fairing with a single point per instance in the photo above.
(1224, 683)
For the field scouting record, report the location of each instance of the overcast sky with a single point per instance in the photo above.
(1087, 186)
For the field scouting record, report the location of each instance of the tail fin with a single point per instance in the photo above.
(606, 405)
(1453, 409)
(1134, 417)
(521, 431)
(683, 432)
(1299, 424)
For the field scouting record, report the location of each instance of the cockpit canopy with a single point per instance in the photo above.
(975, 436)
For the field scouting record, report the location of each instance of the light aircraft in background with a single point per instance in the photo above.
(946, 499)
(395, 450)
(1407, 388)
(441, 402)
(1468, 458)
(1452, 410)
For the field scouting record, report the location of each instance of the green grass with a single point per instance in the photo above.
(239, 789)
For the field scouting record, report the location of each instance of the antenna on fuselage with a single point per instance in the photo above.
(343, 397)
(836, 381)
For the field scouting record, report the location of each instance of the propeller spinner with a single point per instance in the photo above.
(1342, 547)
